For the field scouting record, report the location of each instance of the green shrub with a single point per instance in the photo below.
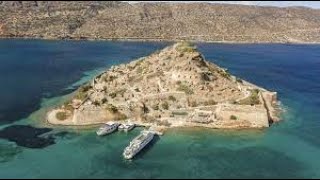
(185, 88)
(61, 116)
(81, 95)
(155, 107)
(113, 77)
(85, 88)
(109, 78)
(99, 76)
(104, 100)
(113, 95)
(252, 99)
(224, 73)
(256, 91)
(255, 97)
(234, 102)
(68, 105)
(82, 92)
(205, 77)
(138, 63)
(210, 102)
(212, 68)
(165, 105)
(112, 108)
(233, 117)
(96, 103)
(172, 98)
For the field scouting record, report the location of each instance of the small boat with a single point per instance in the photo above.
(127, 126)
(107, 128)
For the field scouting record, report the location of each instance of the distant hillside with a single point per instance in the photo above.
(161, 21)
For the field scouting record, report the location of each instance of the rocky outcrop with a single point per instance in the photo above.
(158, 21)
(173, 87)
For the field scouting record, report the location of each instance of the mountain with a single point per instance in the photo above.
(158, 21)
(172, 87)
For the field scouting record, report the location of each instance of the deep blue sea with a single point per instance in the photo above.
(36, 75)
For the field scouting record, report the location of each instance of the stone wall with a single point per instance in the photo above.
(256, 115)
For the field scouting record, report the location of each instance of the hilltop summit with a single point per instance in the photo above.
(172, 87)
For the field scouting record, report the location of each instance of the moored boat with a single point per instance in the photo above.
(107, 128)
(137, 144)
(126, 126)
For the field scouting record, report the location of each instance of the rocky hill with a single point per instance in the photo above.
(173, 87)
(158, 21)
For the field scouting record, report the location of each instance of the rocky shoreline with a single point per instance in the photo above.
(156, 40)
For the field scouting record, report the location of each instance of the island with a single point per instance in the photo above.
(174, 87)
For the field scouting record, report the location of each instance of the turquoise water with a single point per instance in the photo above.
(37, 75)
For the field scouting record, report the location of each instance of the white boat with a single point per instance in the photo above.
(137, 144)
(126, 126)
(107, 128)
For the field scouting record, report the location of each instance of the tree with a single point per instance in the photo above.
(96, 103)
(104, 100)
(112, 108)
(233, 117)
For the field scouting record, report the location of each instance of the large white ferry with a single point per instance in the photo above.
(137, 144)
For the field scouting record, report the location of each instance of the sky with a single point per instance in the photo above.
(311, 4)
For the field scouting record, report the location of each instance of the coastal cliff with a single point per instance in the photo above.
(113, 20)
(174, 87)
